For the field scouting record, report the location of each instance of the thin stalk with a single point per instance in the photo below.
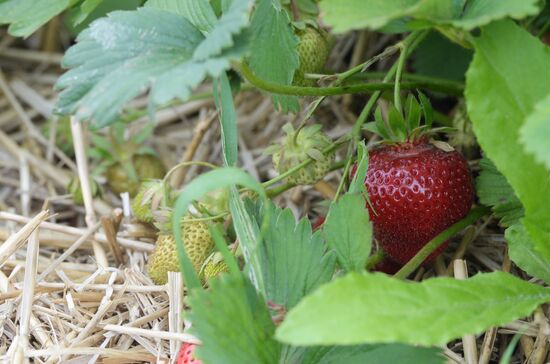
(433, 244)
(429, 82)
(398, 73)
(336, 90)
(276, 191)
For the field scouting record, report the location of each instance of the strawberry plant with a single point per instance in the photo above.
(439, 131)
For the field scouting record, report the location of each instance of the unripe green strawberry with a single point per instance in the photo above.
(75, 190)
(146, 166)
(151, 196)
(213, 266)
(212, 270)
(197, 242)
(313, 51)
(297, 147)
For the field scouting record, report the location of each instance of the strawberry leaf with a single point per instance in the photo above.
(120, 56)
(294, 260)
(437, 56)
(349, 232)
(381, 309)
(494, 190)
(233, 322)
(522, 252)
(26, 16)
(199, 13)
(345, 15)
(228, 120)
(535, 133)
(273, 55)
(357, 185)
(502, 89)
(392, 353)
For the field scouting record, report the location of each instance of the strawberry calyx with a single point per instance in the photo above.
(405, 128)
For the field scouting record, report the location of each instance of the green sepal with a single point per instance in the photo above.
(381, 124)
(413, 113)
(397, 123)
(426, 110)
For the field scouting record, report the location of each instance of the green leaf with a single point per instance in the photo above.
(308, 9)
(397, 123)
(80, 17)
(413, 113)
(228, 121)
(481, 12)
(437, 56)
(503, 86)
(344, 15)
(26, 16)
(198, 12)
(118, 57)
(273, 55)
(233, 322)
(357, 185)
(494, 190)
(361, 354)
(87, 7)
(250, 237)
(294, 261)
(381, 309)
(523, 254)
(200, 186)
(349, 232)
(221, 36)
(535, 133)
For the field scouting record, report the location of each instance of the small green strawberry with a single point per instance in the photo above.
(151, 196)
(198, 245)
(125, 160)
(75, 190)
(126, 177)
(213, 267)
(313, 50)
(299, 146)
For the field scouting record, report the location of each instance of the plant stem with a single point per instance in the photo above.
(337, 90)
(276, 191)
(433, 244)
(398, 73)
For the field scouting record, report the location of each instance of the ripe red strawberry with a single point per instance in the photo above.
(185, 355)
(417, 190)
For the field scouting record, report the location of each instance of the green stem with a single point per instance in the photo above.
(398, 73)
(276, 191)
(345, 175)
(412, 41)
(337, 90)
(433, 83)
(433, 244)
